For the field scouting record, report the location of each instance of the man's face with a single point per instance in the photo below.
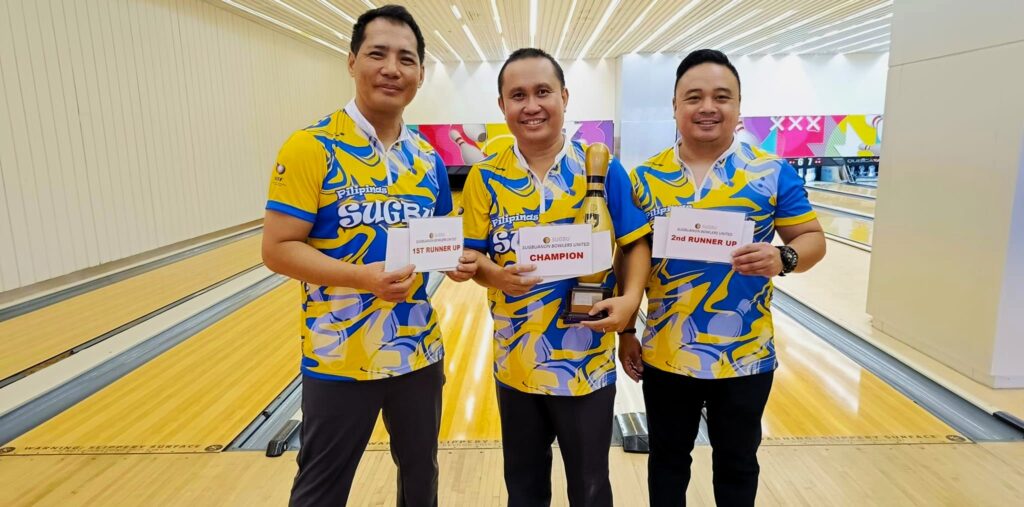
(387, 70)
(533, 100)
(707, 103)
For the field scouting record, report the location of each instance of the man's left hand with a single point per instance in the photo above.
(757, 259)
(466, 268)
(620, 310)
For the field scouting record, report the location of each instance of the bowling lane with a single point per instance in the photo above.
(820, 396)
(47, 333)
(843, 202)
(848, 227)
(469, 414)
(196, 397)
(846, 188)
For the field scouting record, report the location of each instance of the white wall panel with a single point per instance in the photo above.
(923, 29)
(127, 125)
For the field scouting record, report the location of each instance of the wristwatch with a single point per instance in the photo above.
(789, 259)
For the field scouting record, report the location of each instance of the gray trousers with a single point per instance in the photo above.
(338, 419)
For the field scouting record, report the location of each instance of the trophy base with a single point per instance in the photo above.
(582, 298)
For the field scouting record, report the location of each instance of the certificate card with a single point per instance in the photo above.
(431, 244)
(701, 235)
(558, 251)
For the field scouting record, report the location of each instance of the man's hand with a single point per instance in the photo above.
(513, 282)
(757, 259)
(393, 286)
(467, 266)
(620, 311)
(629, 356)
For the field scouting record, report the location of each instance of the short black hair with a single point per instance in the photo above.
(702, 56)
(397, 14)
(524, 53)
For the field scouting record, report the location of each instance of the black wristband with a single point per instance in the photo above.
(631, 330)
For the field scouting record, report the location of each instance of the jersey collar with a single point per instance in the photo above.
(352, 110)
(721, 158)
(567, 143)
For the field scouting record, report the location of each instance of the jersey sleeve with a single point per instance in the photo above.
(297, 177)
(476, 211)
(629, 221)
(792, 206)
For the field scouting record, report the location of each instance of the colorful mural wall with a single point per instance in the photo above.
(855, 135)
(467, 144)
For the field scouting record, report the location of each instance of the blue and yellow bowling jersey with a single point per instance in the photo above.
(534, 351)
(337, 175)
(703, 319)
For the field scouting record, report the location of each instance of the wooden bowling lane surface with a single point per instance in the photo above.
(842, 202)
(195, 397)
(820, 396)
(850, 228)
(846, 188)
(47, 333)
(469, 413)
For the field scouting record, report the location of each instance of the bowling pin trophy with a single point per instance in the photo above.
(594, 211)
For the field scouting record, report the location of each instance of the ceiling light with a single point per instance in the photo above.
(568, 22)
(449, 46)
(793, 26)
(852, 16)
(600, 28)
(337, 11)
(717, 33)
(762, 26)
(862, 41)
(370, 4)
(848, 37)
(629, 31)
(455, 11)
(436, 59)
(312, 20)
(707, 19)
(836, 32)
(504, 47)
(680, 13)
(285, 26)
(873, 46)
(497, 18)
(476, 46)
(533, 23)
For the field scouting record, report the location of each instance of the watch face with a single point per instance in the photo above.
(789, 259)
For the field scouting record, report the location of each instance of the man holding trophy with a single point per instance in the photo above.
(546, 212)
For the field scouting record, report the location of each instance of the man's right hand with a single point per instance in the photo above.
(511, 281)
(393, 286)
(630, 356)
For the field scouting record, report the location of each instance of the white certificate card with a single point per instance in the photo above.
(557, 250)
(704, 235)
(435, 243)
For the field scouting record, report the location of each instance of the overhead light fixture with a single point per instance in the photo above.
(848, 37)
(497, 18)
(718, 33)
(873, 46)
(431, 55)
(792, 27)
(455, 11)
(533, 23)
(337, 11)
(369, 4)
(853, 16)
(565, 29)
(286, 26)
(449, 46)
(476, 46)
(862, 41)
(629, 31)
(764, 49)
(600, 28)
(671, 21)
(309, 18)
(504, 47)
(836, 32)
(758, 28)
(693, 29)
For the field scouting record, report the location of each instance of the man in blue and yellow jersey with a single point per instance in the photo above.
(708, 341)
(554, 379)
(370, 339)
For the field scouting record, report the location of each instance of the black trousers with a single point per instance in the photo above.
(583, 425)
(338, 419)
(734, 407)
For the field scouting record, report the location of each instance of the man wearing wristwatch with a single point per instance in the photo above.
(708, 341)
